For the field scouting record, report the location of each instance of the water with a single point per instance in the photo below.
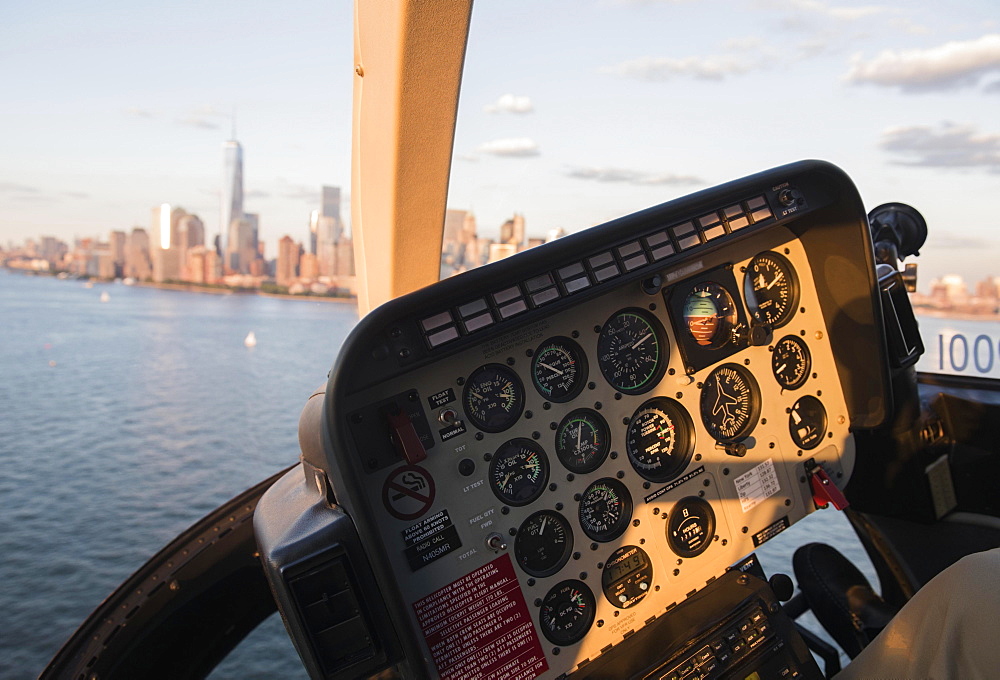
(124, 422)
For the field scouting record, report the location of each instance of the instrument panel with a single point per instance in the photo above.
(540, 470)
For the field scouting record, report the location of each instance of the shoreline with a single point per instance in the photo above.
(214, 290)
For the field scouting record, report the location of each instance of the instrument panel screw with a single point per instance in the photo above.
(656, 511)
(725, 471)
(788, 502)
(646, 485)
(577, 497)
(531, 582)
(697, 456)
(600, 623)
(528, 414)
(591, 386)
(770, 445)
(460, 381)
(614, 455)
(620, 474)
(360, 71)
(510, 361)
(593, 546)
(677, 572)
(742, 579)
(546, 405)
(597, 329)
(576, 556)
(583, 576)
(536, 435)
(529, 352)
(635, 522)
(745, 529)
(479, 436)
(575, 334)
(671, 371)
(538, 602)
(618, 396)
(570, 477)
(555, 651)
(552, 426)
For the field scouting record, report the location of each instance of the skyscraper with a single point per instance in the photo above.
(232, 194)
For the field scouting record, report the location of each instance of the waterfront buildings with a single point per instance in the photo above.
(232, 196)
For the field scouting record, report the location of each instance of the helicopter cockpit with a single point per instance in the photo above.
(560, 465)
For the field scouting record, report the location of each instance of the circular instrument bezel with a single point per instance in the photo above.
(569, 458)
(505, 460)
(786, 301)
(483, 396)
(618, 341)
(625, 590)
(679, 449)
(528, 547)
(543, 372)
(780, 360)
(811, 408)
(680, 517)
(715, 399)
(609, 524)
(553, 608)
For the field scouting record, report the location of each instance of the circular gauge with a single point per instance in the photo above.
(583, 441)
(632, 351)
(519, 471)
(771, 288)
(493, 398)
(730, 403)
(543, 543)
(710, 314)
(559, 369)
(660, 439)
(605, 510)
(690, 526)
(791, 362)
(627, 576)
(807, 422)
(567, 612)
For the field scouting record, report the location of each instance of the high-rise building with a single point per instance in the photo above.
(190, 232)
(242, 250)
(117, 242)
(232, 192)
(137, 262)
(512, 230)
(287, 269)
(330, 207)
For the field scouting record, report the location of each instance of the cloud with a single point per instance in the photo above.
(510, 103)
(304, 193)
(945, 67)
(11, 188)
(950, 240)
(655, 69)
(258, 193)
(950, 146)
(992, 88)
(631, 176)
(830, 12)
(138, 113)
(510, 147)
(198, 122)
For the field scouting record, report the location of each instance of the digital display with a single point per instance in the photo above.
(621, 569)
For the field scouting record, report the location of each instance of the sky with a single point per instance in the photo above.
(572, 112)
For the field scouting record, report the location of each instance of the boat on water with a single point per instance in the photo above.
(560, 465)
(250, 340)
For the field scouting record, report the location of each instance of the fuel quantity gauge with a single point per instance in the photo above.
(583, 441)
(543, 543)
(791, 362)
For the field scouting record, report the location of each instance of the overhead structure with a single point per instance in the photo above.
(408, 59)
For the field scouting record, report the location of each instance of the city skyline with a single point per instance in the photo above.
(572, 118)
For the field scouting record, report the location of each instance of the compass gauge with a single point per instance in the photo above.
(730, 403)
(559, 369)
(791, 362)
(632, 351)
(493, 398)
(583, 441)
(771, 288)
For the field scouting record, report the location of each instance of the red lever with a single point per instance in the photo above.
(824, 490)
(405, 438)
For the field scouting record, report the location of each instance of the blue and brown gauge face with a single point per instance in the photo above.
(807, 422)
(791, 362)
(710, 314)
(543, 543)
(730, 403)
(771, 288)
(660, 439)
(632, 351)
(605, 510)
(690, 526)
(583, 441)
(493, 398)
(519, 471)
(559, 369)
(567, 612)
(627, 576)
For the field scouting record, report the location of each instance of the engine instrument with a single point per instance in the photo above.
(605, 510)
(583, 440)
(660, 439)
(559, 369)
(518, 471)
(493, 398)
(567, 612)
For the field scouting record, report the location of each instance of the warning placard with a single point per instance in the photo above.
(479, 627)
(430, 539)
(408, 492)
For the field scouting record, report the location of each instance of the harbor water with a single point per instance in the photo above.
(128, 413)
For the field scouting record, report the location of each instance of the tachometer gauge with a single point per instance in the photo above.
(771, 288)
(583, 440)
(543, 543)
(807, 422)
(730, 403)
(632, 351)
(710, 314)
(627, 576)
(690, 526)
(493, 398)
(605, 510)
(519, 471)
(791, 362)
(567, 612)
(559, 369)
(660, 439)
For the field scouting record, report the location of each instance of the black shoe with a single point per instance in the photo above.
(840, 597)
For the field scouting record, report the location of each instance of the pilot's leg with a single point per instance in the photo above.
(949, 629)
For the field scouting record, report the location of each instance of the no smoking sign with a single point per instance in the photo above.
(408, 492)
